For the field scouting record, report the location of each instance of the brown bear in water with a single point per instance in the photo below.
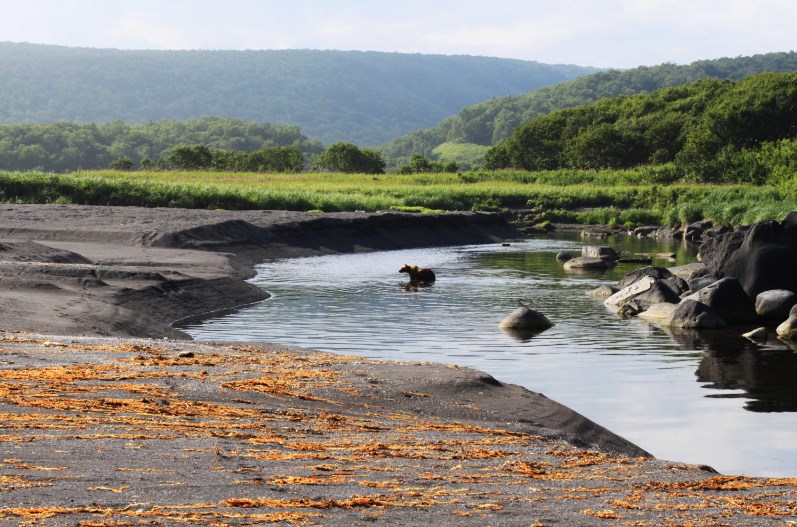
(418, 274)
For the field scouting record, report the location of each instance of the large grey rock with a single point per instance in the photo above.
(729, 300)
(646, 230)
(761, 259)
(602, 252)
(524, 318)
(586, 262)
(691, 314)
(676, 284)
(775, 304)
(689, 271)
(644, 293)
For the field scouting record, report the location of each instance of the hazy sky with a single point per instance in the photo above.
(610, 33)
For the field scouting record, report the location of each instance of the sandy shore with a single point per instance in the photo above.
(102, 428)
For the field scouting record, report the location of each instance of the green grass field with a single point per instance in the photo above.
(628, 197)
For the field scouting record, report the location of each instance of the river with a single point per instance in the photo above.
(715, 399)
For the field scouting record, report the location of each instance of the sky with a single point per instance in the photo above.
(609, 33)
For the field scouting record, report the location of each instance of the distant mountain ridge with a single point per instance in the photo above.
(464, 137)
(366, 98)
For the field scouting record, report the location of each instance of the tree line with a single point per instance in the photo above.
(711, 130)
(65, 146)
(494, 120)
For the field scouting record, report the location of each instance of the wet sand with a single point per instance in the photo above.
(103, 428)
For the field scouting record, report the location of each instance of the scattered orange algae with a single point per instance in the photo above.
(607, 514)
(351, 503)
(587, 458)
(724, 483)
(108, 489)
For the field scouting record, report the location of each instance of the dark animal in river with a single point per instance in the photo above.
(418, 274)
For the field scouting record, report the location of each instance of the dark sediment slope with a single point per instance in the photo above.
(130, 271)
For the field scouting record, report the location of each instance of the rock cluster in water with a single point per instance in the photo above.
(747, 277)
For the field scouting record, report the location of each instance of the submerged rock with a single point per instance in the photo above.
(586, 262)
(524, 319)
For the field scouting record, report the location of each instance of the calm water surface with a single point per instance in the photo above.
(710, 398)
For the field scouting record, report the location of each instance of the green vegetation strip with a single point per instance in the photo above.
(625, 197)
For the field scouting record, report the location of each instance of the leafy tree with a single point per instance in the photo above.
(494, 120)
(123, 163)
(707, 128)
(190, 157)
(420, 165)
(348, 158)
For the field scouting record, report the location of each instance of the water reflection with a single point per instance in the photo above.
(676, 395)
(730, 362)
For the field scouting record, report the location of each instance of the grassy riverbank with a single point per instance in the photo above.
(624, 197)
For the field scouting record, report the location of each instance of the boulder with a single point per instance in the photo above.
(693, 233)
(729, 300)
(689, 271)
(658, 312)
(646, 230)
(525, 319)
(788, 330)
(696, 284)
(692, 314)
(586, 262)
(677, 285)
(762, 258)
(668, 232)
(602, 252)
(645, 292)
(563, 256)
(775, 305)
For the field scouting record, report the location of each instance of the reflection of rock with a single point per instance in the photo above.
(525, 319)
(774, 305)
(757, 335)
(522, 335)
(691, 314)
(732, 362)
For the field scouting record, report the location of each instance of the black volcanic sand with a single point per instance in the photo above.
(102, 431)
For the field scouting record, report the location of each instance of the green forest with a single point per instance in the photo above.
(64, 147)
(464, 137)
(366, 98)
(712, 130)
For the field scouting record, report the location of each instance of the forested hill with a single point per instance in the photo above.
(464, 138)
(366, 98)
